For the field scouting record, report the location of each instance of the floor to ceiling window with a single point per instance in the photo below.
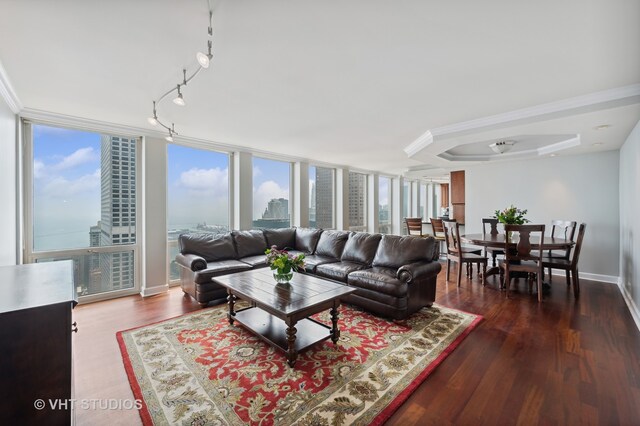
(384, 205)
(321, 197)
(197, 195)
(82, 199)
(357, 201)
(271, 196)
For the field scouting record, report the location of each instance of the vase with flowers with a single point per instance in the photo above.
(283, 264)
(511, 216)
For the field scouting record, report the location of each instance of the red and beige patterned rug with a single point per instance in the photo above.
(197, 369)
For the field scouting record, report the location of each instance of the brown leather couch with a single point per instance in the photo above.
(394, 276)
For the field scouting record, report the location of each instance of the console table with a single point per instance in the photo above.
(35, 336)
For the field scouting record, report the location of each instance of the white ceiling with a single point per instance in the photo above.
(348, 82)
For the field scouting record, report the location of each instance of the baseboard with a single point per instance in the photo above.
(609, 279)
(152, 291)
(633, 308)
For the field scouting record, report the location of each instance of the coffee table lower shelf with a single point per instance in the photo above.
(273, 330)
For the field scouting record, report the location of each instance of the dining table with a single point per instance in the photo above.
(498, 241)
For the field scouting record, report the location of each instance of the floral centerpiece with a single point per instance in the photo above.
(282, 263)
(512, 216)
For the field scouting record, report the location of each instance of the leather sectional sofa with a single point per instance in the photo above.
(394, 275)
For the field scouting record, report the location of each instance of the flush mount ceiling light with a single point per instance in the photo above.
(501, 147)
(204, 60)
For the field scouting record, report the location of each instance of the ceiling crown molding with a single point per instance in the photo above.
(593, 101)
(7, 93)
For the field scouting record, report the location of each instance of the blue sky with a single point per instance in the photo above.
(66, 186)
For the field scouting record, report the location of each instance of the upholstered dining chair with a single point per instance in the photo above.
(492, 223)
(524, 257)
(459, 254)
(414, 225)
(570, 266)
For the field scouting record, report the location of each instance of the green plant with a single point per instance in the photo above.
(282, 261)
(511, 216)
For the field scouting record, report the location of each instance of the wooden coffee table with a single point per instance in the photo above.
(280, 314)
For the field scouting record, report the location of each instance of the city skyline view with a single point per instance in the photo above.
(67, 192)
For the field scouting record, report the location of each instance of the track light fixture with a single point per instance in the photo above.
(204, 60)
(179, 100)
(172, 132)
(153, 120)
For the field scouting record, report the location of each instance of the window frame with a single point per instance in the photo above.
(32, 256)
(173, 244)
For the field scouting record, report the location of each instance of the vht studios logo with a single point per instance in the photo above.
(88, 404)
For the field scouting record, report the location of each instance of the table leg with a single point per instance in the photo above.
(335, 333)
(231, 300)
(292, 354)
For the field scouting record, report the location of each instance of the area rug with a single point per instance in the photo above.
(197, 369)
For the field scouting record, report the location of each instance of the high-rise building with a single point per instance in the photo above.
(324, 198)
(312, 205)
(277, 208)
(118, 210)
(357, 201)
(94, 281)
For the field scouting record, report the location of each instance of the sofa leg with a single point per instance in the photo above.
(203, 304)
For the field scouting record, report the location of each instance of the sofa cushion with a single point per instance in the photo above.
(249, 243)
(339, 270)
(255, 261)
(222, 267)
(311, 262)
(209, 246)
(378, 279)
(361, 247)
(395, 251)
(307, 239)
(281, 238)
(331, 243)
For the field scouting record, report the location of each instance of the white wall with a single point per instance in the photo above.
(7, 185)
(154, 252)
(583, 188)
(629, 222)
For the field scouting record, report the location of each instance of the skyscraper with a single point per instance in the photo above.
(324, 198)
(357, 201)
(118, 210)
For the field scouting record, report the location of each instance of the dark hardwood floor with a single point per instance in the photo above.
(557, 363)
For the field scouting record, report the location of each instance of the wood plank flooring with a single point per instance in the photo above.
(562, 362)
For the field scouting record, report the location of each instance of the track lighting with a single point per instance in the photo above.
(179, 100)
(204, 60)
(172, 132)
(153, 120)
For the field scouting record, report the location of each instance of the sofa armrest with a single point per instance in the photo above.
(191, 261)
(417, 270)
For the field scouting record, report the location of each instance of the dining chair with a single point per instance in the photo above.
(459, 254)
(562, 229)
(523, 257)
(414, 225)
(493, 230)
(437, 228)
(570, 266)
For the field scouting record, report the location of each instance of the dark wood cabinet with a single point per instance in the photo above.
(36, 301)
(457, 187)
(457, 196)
